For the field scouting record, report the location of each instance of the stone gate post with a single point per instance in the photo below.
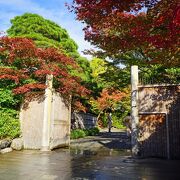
(134, 110)
(47, 114)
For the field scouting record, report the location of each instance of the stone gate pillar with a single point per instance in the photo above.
(134, 110)
(47, 113)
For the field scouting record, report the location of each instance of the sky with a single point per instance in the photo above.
(54, 10)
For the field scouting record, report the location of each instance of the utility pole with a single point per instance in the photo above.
(134, 110)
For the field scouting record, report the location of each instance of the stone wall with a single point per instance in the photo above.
(31, 117)
(60, 122)
(83, 120)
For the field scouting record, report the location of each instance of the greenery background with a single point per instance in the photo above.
(96, 74)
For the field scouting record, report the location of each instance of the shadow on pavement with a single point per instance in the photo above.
(115, 140)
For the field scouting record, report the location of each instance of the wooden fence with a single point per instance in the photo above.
(159, 121)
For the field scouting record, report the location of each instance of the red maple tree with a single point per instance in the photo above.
(27, 65)
(150, 27)
(109, 99)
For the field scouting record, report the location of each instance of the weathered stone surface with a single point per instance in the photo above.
(83, 120)
(5, 143)
(17, 144)
(32, 122)
(6, 150)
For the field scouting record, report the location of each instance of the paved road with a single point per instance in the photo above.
(65, 164)
(114, 140)
(103, 158)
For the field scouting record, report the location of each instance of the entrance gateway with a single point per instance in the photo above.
(155, 119)
(45, 119)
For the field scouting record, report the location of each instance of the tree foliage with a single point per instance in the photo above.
(27, 66)
(107, 74)
(158, 74)
(148, 27)
(9, 106)
(98, 66)
(45, 33)
(108, 99)
(9, 123)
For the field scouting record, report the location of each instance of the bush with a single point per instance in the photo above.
(7, 99)
(117, 119)
(77, 133)
(92, 131)
(9, 124)
(80, 133)
(118, 122)
(103, 121)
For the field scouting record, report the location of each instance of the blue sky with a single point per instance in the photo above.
(54, 10)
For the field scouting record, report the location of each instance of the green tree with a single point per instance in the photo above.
(85, 74)
(44, 32)
(158, 74)
(107, 74)
(98, 66)
(9, 105)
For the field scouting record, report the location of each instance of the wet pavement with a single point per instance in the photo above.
(106, 157)
(113, 140)
(66, 164)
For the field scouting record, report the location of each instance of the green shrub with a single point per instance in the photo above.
(7, 99)
(117, 118)
(80, 133)
(118, 122)
(77, 133)
(103, 120)
(92, 131)
(9, 124)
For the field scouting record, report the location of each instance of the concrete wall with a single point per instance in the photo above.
(31, 117)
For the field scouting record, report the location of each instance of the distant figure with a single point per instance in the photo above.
(109, 116)
(127, 123)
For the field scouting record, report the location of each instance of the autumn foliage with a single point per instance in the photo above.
(151, 27)
(109, 99)
(26, 65)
